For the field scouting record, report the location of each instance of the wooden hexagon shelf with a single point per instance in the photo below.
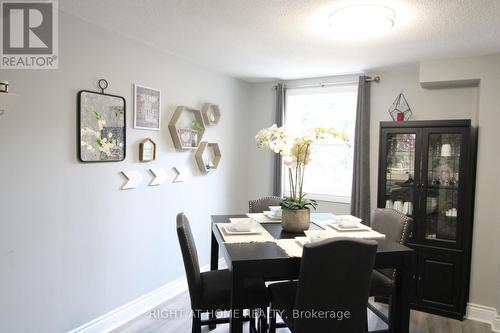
(211, 114)
(180, 127)
(210, 162)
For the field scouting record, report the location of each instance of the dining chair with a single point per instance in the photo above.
(262, 204)
(397, 227)
(211, 291)
(331, 294)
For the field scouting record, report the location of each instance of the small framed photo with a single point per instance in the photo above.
(147, 108)
(186, 137)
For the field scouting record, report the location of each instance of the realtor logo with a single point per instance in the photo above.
(29, 35)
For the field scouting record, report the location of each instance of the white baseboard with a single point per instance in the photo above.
(484, 314)
(137, 307)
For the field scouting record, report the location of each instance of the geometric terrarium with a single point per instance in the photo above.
(208, 156)
(186, 128)
(400, 110)
(211, 113)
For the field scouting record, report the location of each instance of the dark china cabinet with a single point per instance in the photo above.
(427, 171)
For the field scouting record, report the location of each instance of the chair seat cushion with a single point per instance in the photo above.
(283, 300)
(381, 285)
(216, 291)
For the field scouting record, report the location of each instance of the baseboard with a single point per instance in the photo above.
(484, 314)
(137, 307)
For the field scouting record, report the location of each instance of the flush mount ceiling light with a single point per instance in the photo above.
(361, 21)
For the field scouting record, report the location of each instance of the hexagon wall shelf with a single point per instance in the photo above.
(183, 137)
(211, 114)
(210, 164)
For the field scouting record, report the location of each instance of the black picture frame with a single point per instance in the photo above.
(119, 133)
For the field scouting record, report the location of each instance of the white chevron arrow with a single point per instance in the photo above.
(180, 174)
(159, 176)
(134, 178)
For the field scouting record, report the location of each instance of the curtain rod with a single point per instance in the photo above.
(328, 84)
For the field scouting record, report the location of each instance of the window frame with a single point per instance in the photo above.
(315, 196)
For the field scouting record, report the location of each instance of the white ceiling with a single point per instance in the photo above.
(265, 39)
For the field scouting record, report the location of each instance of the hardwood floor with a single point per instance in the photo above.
(174, 317)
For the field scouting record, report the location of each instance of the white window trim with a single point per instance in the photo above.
(324, 197)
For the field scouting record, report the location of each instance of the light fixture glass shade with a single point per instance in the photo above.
(361, 21)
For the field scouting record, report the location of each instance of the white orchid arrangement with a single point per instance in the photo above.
(296, 154)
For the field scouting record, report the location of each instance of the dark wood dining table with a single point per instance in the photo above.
(268, 261)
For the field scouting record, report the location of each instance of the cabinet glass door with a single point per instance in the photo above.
(399, 171)
(442, 179)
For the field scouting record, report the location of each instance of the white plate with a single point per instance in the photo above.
(271, 216)
(235, 229)
(340, 228)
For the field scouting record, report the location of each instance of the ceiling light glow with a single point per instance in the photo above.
(361, 21)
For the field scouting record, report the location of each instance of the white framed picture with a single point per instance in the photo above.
(147, 108)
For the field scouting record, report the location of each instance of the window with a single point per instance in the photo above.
(329, 174)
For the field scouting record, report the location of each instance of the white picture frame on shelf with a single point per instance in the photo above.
(147, 108)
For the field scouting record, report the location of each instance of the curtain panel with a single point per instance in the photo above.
(360, 196)
(279, 119)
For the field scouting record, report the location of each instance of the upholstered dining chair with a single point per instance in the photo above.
(211, 291)
(262, 204)
(331, 294)
(397, 227)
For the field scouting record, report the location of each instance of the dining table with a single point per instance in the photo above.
(270, 262)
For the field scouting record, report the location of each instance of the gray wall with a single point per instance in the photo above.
(72, 245)
(485, 279)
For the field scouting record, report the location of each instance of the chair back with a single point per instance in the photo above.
(262, 204)
(190, 258)
(334, 285)
(396, 226)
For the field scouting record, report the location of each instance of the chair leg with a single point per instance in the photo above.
(252, 323)
(262, 320)
(196, 326)
(391, 314)
(212, 315)
(272, 320)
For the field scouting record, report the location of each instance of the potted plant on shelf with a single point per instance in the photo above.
(197, 128)
(296, 154)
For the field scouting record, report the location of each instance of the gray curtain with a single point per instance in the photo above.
(279, 119)
(360, 197)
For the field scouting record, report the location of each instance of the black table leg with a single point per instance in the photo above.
(214, 265)
(214, 254)
(400, 300)
(236, 321)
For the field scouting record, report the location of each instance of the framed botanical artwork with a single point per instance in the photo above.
(102, 127)
(147, 108)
